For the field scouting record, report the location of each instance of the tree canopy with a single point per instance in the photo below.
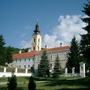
(6, 52)
(85, 38)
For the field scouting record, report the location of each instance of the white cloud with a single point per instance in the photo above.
(51, 40)
(25, 44)
(23, 35)
(28, 27)
(68, 26)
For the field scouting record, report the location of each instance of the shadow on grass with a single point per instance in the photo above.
(19, 88)
(5, 88)
(85, 82)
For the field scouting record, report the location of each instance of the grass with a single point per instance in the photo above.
(50, 83)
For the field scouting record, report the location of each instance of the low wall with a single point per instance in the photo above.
(4, 72)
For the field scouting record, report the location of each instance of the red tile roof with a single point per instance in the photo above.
(60, 49)
(34, 53)
(24, 55)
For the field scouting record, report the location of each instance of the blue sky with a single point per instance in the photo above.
(18, 19)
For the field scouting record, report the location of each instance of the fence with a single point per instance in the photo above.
(7, 72)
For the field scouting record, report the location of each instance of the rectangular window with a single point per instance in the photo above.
(16, 60)
(28, 66)
(33, 48)
(51, 66)
(51, 57)
(29, 59)
(33, 58)
(19, 66)
(20, 60)
(38, 40)
(24, 66)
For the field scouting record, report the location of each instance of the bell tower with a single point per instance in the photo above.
(36, 39)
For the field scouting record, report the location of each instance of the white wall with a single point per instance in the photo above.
(9, 74)
(29, 62)
(23, 63)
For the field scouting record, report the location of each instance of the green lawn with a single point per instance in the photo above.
(49, 84)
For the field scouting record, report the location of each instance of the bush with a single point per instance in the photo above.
(32, 84)
(12, 83)
(1, 69)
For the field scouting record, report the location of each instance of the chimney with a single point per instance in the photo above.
(20, 51)
(45, 46)
(60, 44)
(29, 50)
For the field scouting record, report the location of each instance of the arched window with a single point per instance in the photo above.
(38, 40)
(34, 40)
(33, 48)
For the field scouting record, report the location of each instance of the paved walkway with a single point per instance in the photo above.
(1, 83)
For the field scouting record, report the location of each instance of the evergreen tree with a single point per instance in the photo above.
(12, 83)
(73, 56)
(31, 84)
(57, 67)
(32, 69)
(6, 52)
(2, 50)
(13, 49)
(85, 38)
(8, 55)
(43, 67)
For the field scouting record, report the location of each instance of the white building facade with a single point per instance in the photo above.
(33, 57)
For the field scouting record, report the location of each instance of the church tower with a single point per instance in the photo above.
(36, 39)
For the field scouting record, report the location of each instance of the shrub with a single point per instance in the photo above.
(31, 84)
(12, 83)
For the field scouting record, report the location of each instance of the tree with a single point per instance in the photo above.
(43, 67)
(2, 50)
(12, 83)
(8, 55)
(6, 52)
(85, 38)
(31, 84)
(32, 69)
(73, 56)
(57, 67)
(13, 49)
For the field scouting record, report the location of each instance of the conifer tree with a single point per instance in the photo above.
(31, 84)
(73, 56)
(57, 67)
(85, 38)
(2, 50)
(12, 83)
(32, 69)
(8, 55)
(43, 67)
(6, 52)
